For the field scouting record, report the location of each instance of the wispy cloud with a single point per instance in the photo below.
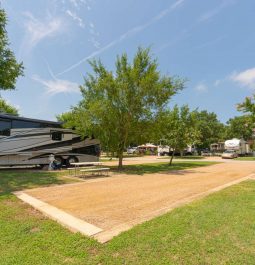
(56, 86)
(215, 11)
(78, 3)
(217, 82)
(245, 78)
(37, 30)
(76, 18)
(204, 17)
(201, 87)
(211, 42)
(77, 10)
(127, 34)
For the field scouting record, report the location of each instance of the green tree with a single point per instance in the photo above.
(117, 107)
(248, 107)
(211, 129)
(10, 69)
(178, 128)
(7, 108)
(239, 127)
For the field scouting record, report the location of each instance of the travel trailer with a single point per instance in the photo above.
(26, 141)
(164, 150)
(238, 145)
(147, 149)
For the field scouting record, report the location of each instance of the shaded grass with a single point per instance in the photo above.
(219, 229)
(182, 157)
(150, 168)
(13, 180)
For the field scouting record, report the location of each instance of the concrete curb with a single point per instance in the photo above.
(72, 223)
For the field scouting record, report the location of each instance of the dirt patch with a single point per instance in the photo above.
(120, 201)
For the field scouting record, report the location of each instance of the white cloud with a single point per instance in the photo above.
(95, 43)
(76, 18)
(201, 87)
(38, 30)
(215, 11)
(127, 34)
(77, 4)
(56, 86)
(217, 82)
(245, 78)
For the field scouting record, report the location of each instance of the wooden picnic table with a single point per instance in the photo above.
(78, 164)
(85, 163)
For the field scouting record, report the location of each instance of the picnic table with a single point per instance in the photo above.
(87, 167)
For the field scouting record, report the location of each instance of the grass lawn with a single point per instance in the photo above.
(246, 158)
(219, 229)
(182, 157)
(11, 180)
(161, 166)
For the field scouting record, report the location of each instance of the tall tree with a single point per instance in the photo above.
(248, 107)
(7, 108)
(211, 129)
(239, 127)
(10, 69)
(178, 128)
(117, 107)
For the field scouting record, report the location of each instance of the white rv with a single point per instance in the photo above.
(164, 150)
(26, 141)
(238, 145)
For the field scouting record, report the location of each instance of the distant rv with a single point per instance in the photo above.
(240, 146)
(25, 141)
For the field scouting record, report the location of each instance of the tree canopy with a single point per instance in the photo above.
(117, 107)
(248, 107)
(211, 129)
(10, 69)
(7, 108)
(178, 128)
(239, 127)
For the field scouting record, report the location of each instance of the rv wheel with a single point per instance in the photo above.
(71, 159)
(60, 160)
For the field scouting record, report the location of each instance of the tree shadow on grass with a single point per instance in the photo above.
(160, 167)
(13, 181)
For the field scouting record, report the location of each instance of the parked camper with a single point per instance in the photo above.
(238, 145)
(26, 141)
(148, 148)
(167, 150)
(163, 150)
(131, 150)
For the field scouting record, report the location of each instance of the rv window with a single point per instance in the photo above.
(5, 127)
(5, 132)
(56, 136)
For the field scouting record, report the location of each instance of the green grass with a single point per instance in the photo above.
(182, 157)
(246, 158)
(151, 168)
(11, 180)
(109, 158)
(219, 229)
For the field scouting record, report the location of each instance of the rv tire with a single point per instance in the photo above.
(60, 160)
(71, 159)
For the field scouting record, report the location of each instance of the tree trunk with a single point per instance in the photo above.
(171, 159)
(120, 155)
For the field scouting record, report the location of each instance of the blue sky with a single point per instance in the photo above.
(211, 43)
